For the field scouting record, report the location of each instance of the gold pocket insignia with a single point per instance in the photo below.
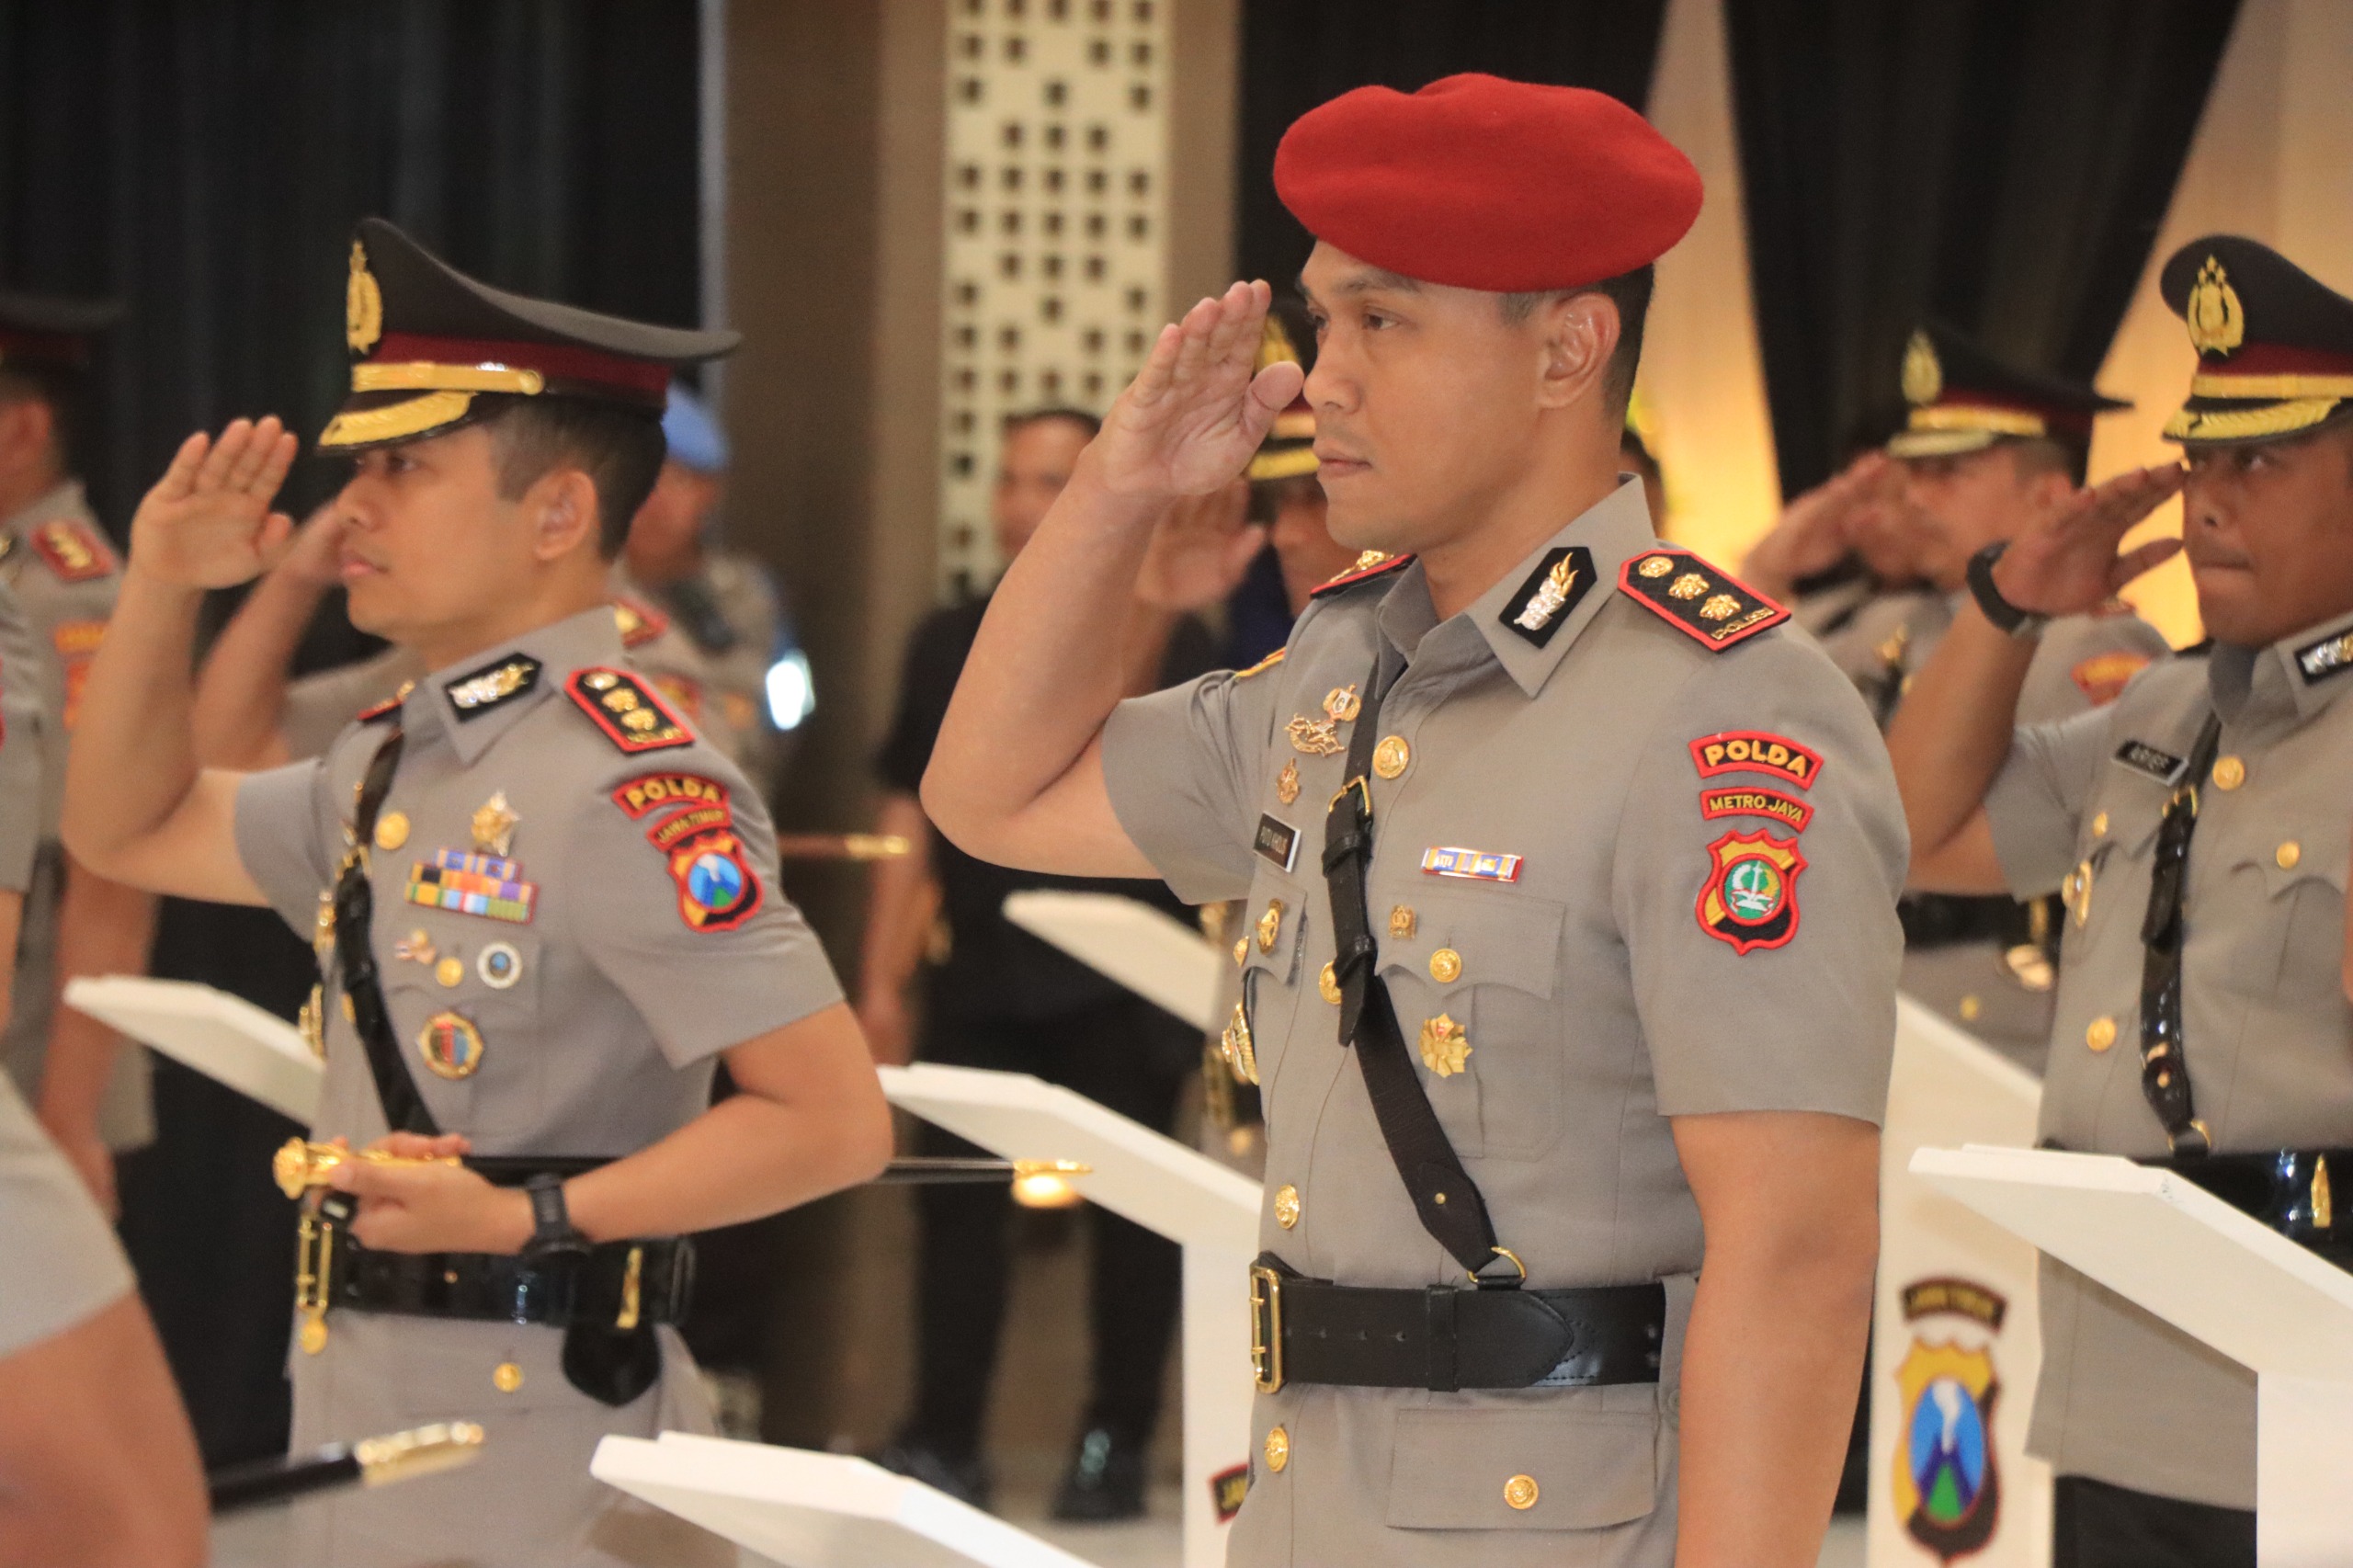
(1446, 1046)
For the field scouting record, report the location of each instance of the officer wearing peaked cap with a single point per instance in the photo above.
(1571, 945)
(2197, 830)
(91, 1093)
(544, 909)
(1986, 447)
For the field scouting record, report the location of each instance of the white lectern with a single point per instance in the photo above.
(223, 1036)
(1956, 1339)
(2213, 1273)
(811, 1510)
(1162, 1184)
(1153, 954)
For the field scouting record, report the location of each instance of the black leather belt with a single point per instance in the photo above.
(618, 1284)
(2287, 1190)
(1446, 1337)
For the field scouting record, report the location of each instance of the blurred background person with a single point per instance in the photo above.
(993, 995)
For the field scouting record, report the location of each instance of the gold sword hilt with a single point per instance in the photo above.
(302, 1166)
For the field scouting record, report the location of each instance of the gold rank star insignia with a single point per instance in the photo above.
(494, 825)
(1287, 782)
(1446, 1046)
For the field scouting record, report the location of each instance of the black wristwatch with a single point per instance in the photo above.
(2004, 615)
(552, 1235)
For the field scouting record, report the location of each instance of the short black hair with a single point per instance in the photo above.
(1630, 292)
(1090, 423)
(620, 450)
(62, 388)
(2036, 455)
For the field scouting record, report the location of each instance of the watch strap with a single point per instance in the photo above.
(2005, 616)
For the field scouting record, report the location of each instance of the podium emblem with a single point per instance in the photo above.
(1947, 1488)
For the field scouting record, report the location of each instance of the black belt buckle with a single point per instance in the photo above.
(1266, 1328)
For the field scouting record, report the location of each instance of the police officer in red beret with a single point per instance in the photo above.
(1571, 948)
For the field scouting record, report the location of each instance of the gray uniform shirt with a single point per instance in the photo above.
(2082, 662)
(1593, 977)
(66, 576)
(629, 931)
(2266, 1032)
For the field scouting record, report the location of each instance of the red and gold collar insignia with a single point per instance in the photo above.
(74, 550)
(640, 622)
(632, 717)
(1704, 602)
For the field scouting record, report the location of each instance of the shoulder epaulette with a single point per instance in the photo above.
(73, 551)
(639, 623)
(1704, 602)
(387, 708)
(632, 717)
(1370, 565)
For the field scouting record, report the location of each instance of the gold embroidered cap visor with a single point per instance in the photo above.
(430, 342)
(2275, 344)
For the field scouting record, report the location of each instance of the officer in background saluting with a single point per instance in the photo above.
(543, 910)
(2197, 830)
(1526, 820)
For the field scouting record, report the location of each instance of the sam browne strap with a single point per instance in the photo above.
(354, 955)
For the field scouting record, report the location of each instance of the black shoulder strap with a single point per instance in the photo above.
(354, 955)
(2165, 1069)
(1447, 1201)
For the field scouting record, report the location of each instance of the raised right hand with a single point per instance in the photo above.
(208, 523)
(1817, 528)
(2066, 561)
(1194, 412)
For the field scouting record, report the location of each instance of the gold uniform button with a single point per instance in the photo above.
(2102, 1034)
(1391, 756)
(392, 830)
(2229, 773)
(1446, 966)
(2288, 854)
(1970, 1008)
(1328, 985)
(1400, 923)
(2099, 825)
(1520, 1492)
(1270, 925)
(506, 1376)
(1241, 951)
(449, 971)
(1277, 1449)
(1287, 1206)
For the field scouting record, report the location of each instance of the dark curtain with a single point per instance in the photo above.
(205, 161)
(2002, 164)
(1297, 53)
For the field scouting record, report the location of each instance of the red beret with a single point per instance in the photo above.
(1480, 183)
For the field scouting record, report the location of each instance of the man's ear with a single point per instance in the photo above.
(28, 426)
(561, 504)
(1580, 335)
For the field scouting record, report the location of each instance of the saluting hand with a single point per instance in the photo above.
(1194, 412)
(431, 1207)
(2066, 561)
(1816, 530)
(207, 522)
(1199, 550)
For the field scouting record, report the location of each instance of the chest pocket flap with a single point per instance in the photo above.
(1463, 938)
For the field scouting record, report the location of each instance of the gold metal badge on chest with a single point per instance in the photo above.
(1287, 782)
(450, 1045)
(1446, 1046)
(1315, 737)
(494, 825)
(1342, 703)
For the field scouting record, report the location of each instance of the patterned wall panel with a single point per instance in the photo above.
(1054, 218)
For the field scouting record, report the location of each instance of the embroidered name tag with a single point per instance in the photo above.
(2143, 757)
(1483, 865)
(1278, 841)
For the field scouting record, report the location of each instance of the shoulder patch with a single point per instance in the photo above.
(651, 792)
(627, 709)
(2329, 656)
(640, 623)
(74, 550)
(1559, 584)
(477, 692)
(1370, 565)
(1747, 801)
(388, 707)
(1750, 900)
(1708, 604)
(717, 889)
(2101, 678)
(1263, 666)
(1756, 751)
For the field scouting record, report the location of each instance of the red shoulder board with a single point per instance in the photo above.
(632, 717)
(1370, 565)
(386, 709)
(74, 550)
(640, 622)
(1703, 602)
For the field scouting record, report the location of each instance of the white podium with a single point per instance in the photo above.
(2191, 1259)
(1159, 958)
(1956, 1340)
(811, 1510)
(225, 1038)
(1162, 1184)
